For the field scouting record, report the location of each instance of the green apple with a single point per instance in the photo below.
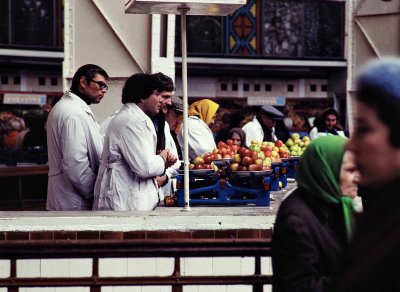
(295, 136)
(289, 142)
(255, 147)
(267, 162)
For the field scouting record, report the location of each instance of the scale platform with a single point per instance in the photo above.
(216, 191)
(208, 188)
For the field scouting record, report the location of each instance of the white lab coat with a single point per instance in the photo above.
(104, 125)
(171, 171)
(74, 148)
(129, 164)
(200, 137)
(254, 131)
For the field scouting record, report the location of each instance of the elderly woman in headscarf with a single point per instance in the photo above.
(314, 224)
(200, 137)
(238, 136)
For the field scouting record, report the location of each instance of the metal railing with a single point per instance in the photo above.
(98, 249)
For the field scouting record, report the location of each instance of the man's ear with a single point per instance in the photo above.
(83, 82)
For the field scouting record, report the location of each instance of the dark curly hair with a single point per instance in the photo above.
(139, 86)
(165, 82)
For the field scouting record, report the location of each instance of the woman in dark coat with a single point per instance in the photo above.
(314, 223)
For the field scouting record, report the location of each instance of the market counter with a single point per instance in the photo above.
(23, 186)
(162, 218)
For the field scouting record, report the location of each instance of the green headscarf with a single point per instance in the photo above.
(319, 172)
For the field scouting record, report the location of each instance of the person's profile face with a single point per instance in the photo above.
(152, 104)
(376, 159)
(166, 101)
(330, 122)
(349, 175)
(94, 89)
(173, 118)
(268, 122)
(236, 139)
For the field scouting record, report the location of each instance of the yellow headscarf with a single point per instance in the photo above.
(205, 109)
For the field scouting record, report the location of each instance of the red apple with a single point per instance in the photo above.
(221, 145)
(278, 143)
(208, 158)
(217, 156)
(245, 152)
(242, 168)
(229, 142)
(235, 148)
(198, 166)
(222, 151)
(241, 148)
(254, 154)
(254, 167)
(207, 166)
(246, 161)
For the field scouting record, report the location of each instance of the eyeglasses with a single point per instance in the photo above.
(101, 84)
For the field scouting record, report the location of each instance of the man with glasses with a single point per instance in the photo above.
(74, 142)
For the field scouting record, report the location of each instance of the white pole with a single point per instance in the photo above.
(186, 206)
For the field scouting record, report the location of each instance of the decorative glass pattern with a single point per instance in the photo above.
(241, 32)
(270, 28)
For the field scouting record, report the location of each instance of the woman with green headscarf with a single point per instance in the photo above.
(200, 138)
(314, 224)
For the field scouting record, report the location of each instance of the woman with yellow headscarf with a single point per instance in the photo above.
(200, 138)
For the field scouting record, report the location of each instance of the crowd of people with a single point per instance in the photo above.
(320, 241)
(23, 130)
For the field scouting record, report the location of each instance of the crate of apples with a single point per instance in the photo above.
(297, 145)
(200, 163)
(259, 156)
(249, 160)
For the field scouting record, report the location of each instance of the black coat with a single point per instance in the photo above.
(308, 244)
(374, 256)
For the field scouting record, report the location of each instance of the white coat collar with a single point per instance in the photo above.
(142, 116)
(75, 98)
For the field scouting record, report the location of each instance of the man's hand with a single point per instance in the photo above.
(161, 180)
(168, 157)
